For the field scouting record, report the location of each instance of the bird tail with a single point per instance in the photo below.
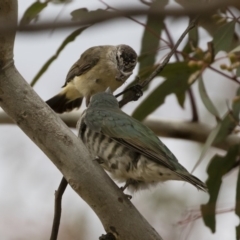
(194, 181)
(60, 103)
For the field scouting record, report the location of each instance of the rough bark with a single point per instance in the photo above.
(63, 148)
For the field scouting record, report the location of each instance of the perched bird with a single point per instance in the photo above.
(126, 148)
(97, 69)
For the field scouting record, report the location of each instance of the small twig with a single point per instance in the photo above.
(225, 75)
(58, 208)
(135, 20)
(132, 96)
(191, 96)
(166, 60)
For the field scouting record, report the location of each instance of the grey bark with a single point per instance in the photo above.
(63, 148)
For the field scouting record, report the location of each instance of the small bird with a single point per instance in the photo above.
(97, 69)
(126, 148)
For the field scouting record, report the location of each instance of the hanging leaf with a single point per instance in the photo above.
(32, 12)
(230, 120)
(176, 75)
(205, 98)
(84, 14)
(193, 37)
(150, 43)
(218, 167)
(207, 145)
(223, 37)
(44, 68)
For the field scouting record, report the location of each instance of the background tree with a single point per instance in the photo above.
(203, 74)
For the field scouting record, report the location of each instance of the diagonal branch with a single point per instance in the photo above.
(63, 148)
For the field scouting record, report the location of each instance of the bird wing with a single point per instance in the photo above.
(131, 133)
(87, 61)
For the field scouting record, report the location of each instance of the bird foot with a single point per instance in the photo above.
(137, 89)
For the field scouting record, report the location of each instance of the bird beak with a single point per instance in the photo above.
(108, 90)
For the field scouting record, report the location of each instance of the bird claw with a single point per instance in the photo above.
(137, 89)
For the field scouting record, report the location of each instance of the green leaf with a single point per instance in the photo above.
(176, 75)
(84, 14)
(237, 206)
(230, 120)
(218, 167)
(193, 37)
(44, 68)
(150, 41)
(149, 44)
(223, 37)
(207, 144)
(205, 98)
(32, 12)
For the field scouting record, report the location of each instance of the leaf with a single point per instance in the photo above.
(205, 98)
(176, 75)
(193, 37)
(218, 167)
(150, 41)
(44, 68)
(207, 145)
(237, 205)
(230, 120)
(223, 37)
(32, 12)
(84, 14)
(236, 49)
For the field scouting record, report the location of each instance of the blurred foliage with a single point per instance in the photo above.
(218, 167)
(191, 62)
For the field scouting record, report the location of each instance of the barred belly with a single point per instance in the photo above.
(122, 162)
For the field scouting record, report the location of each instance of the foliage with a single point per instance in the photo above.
(188, 68)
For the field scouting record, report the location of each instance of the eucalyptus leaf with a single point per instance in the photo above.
(218, 167)
(32, 12)
(205, 98)
(207, 145)
(176, 75)
(230, 120)
(44, 68)
(84, 14)
(223, 37)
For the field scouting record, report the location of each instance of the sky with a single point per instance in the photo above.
(28, 179)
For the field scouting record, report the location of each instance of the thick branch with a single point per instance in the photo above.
(63, 148)
(192, 10)
(191, 131)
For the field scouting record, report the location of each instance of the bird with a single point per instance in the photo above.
(98, 68)
(126, 148)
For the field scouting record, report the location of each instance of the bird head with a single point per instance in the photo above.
(126, 58)
(104, 99)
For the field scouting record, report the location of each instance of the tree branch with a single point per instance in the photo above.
(117, 214)
(191, 11)
(191, 131)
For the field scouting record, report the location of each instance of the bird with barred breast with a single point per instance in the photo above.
(126, 148)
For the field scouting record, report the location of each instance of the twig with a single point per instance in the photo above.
(166, 60)
(193, 106)
(58, 208)
(225, 75)
(191, 96)
(138, 22)
(132, 96)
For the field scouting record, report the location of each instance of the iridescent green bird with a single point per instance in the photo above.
(126, 148)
